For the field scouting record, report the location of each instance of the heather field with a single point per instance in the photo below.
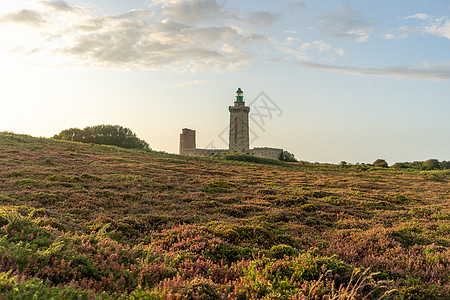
(83, 221)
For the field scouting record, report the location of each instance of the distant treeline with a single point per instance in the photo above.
(114, 135)
(431, 164)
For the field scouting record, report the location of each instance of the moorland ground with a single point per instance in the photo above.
(89, 221)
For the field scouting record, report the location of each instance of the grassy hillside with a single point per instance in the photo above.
(88, 221)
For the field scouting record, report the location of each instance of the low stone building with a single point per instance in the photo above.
(238, 135)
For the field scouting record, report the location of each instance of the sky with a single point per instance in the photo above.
(329, 81)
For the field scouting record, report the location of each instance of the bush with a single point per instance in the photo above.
(380, 163)
(34, 288)
(431, 164)
(308, 207)
(197, 288)
(114, 135)
(247, 158)
(287, 156)
(279, 251)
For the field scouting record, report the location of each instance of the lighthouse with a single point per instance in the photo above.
(239, 129)
(239, 139)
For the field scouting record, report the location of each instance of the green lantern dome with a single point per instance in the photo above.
(239, 95)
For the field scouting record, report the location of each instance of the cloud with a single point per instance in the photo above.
(297, 5)
(58, 5)
(188, 36)
(308, 51)
(137, 14)
(262, 18)
(340, 52)
(426, 71)
(24, 16)
(346, 23)
(440, 28)
(433, 25)
(193, 83)
(319, 45)
(418, 16)
(395, 36)
(194, 11)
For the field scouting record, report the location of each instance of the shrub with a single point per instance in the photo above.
(319, 194)
(343, 164)
(400, 166)
(380, 163)
(308, 207)
(431, 164)
(198, 288)
(34, 288)
(287, 156)
(279, 251)
(266, 192)
(288, 278)
(218, 186)
(247, 158)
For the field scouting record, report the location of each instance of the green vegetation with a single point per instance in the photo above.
(247, 158)
(288, 156)
(380, 163)
(86, 221)
(431, 164)
(114, 135)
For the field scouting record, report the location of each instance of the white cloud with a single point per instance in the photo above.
(346, 23)
(138, 14)
(24, 16)
(418, 16)
(194, 11)
(188, 35)
(321, 46)
(427, 71)
(340, 52)
(308, 51)
(439, 28)
(360, 35)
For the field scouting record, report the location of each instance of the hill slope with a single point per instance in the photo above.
(103, 222)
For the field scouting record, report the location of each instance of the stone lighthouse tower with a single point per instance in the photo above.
(239, 132)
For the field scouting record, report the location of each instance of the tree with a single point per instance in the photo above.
(380, 163)
(287, 156)
(444, 165)
(343, 164)
(401, 165)
(114, 135)
(431, 164)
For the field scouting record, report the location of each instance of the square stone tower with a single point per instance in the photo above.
(187, 141)
(239, 129)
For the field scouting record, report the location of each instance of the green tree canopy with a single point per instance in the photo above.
(431, 164)
(114, 135)
(287, 156)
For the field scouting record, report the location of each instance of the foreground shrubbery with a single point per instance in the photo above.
(38, 260)
(83, 221)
